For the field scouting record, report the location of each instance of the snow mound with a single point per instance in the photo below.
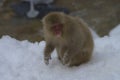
(116, 31)
(94, 34)
(22, 60)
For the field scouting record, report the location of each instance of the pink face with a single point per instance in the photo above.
(57, 29)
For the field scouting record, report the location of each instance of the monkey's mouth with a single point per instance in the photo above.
(57, 29)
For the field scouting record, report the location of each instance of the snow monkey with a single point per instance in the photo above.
(70, 36)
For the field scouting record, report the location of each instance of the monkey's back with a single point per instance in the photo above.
(80, 42)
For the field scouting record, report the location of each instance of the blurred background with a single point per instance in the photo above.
(101, 15)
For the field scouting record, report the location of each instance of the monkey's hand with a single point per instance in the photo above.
(66, 59)
(47, 53)
(46, 60)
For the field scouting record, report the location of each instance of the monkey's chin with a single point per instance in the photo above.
(58, 36)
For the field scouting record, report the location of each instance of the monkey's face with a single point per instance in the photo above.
(54, 24)
(57, 29)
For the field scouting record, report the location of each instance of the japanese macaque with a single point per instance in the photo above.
(70, 36)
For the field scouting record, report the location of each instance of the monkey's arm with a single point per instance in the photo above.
(47, 52)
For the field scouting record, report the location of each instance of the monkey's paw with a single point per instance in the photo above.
(46, 60)
(65, 59)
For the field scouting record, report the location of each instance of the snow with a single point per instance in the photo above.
(23, 60)
(115, 32)
(94, 34)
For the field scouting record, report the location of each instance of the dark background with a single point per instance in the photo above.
(101, 16)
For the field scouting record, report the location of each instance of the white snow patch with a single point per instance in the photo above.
(94, 34)
(116, 31)
(22, 60)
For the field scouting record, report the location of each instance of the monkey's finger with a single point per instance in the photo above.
(65, 59)
(46, 62)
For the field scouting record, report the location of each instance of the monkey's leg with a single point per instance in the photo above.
(80, 58)
(67, 57)
(58, 53)
(61, 53)
(47, 53)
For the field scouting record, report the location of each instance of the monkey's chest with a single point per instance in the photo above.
(59, 42)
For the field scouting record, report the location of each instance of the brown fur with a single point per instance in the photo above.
(75, 46)
(7, 2)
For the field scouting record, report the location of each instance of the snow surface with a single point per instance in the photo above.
(22, 60)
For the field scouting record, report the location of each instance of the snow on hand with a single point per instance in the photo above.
(22, 60)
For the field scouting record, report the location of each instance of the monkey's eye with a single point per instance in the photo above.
(57, 28)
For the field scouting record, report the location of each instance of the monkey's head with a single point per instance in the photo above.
(54, 23)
